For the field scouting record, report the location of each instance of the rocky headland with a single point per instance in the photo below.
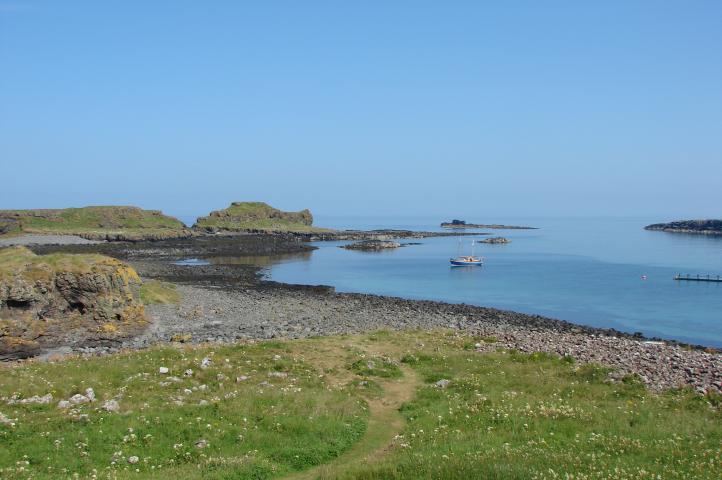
(65, 300)
(102, 223)
(699, 227)
(461, 224)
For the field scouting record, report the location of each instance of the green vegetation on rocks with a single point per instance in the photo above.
(380, 406)
(62, 299)
(96, 223)
(257, 217)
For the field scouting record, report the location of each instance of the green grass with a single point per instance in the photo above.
(253, 430)
(108, 219)
(20, 260)
(516, 416)
(505, 415)
(156, 292)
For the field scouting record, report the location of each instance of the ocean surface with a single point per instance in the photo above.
(585, 270)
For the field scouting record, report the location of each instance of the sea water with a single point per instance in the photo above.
(602, 272)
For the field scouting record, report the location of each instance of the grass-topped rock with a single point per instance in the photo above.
(257, 217)
(61, 299)
(94, 223)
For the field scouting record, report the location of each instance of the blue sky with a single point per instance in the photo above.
(364, 108)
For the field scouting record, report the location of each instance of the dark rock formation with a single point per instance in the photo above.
(702, 227)
(65, 300)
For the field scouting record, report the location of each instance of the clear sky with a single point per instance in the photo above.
(364, 107)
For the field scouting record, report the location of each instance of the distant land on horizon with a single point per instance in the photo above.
(700, 227)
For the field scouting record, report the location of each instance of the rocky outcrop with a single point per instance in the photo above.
(372, 245)
(701, 227)
(495, 240)
(113, 223)
(461, 224)
(57, 300)
(255, 217)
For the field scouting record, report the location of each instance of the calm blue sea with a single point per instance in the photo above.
(584, 270)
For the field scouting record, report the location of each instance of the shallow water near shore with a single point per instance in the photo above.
(586, 271)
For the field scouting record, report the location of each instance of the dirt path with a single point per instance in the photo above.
(385, 422)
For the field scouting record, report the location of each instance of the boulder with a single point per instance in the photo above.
(65, 300)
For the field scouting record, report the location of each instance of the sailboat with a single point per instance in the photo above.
(466, 260)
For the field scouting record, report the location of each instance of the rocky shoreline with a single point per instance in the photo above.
(228, 300)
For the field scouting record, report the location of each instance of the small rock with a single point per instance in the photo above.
(163, 370)
(443, 383)
(45, 399)
(133, 460)
(188, 373)
(111, 406)
(90, 393)
(78, 399)
(203, 403)
(278, 374)
(241, 378)
(206, 362)
(201, 443)
(6, 421)
(64, 404)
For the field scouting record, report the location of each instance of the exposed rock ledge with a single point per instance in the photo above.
(58, 299)
(372, 245)
(495, 240)
(461, 224)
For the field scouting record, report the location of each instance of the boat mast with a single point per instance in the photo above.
(473, 244)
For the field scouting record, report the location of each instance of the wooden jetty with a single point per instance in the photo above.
(699, 278)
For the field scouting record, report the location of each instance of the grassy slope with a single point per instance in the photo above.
(21, 259)
(108, 219)
(504, 415)
(156, 292)
(254, 216)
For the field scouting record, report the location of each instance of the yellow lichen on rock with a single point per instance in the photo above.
(62, 299)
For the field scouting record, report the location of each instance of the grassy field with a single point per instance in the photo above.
(90, 220)
(355, 407)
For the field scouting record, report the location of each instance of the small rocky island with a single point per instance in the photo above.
(461, 224)
(372, 245)
(495, 240)
(700, 227)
